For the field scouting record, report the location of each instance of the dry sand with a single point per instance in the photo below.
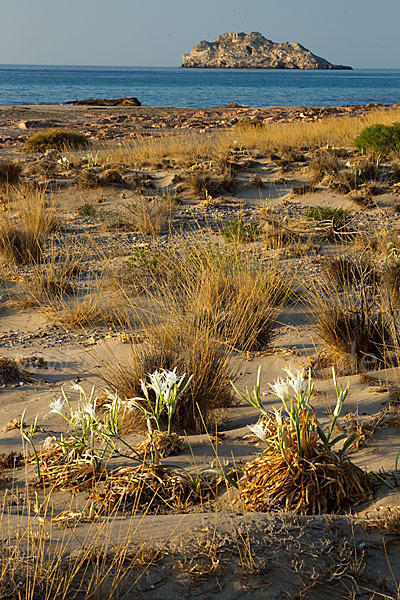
(273, 555)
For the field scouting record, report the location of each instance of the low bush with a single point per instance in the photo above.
(60, 139)
(382, 139)
(238, 231)
(337, 216)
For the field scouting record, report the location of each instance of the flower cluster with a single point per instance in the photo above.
(295, 424)
(160, 394)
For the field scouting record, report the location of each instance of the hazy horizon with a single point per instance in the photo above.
(361, 34)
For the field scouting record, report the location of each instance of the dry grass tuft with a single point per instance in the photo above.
(350, 271)
(204, 185)
(355, 333)
(149, 216)
(11, 372)
(10, 172)
(154, 489)
(325, 483)
(30, 218)
(391, 277)
(62, 471)
(192, 350)
(19, 245)
(164, 446)
(388, 520)
(325, 163)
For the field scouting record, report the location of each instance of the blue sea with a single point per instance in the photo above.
(172, 86)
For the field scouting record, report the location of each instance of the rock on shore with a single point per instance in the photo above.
(253, 51)
(126, 101)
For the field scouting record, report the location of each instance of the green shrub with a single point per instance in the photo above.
(338, 216)
(237, 231)
(60, 139)
(379, 138)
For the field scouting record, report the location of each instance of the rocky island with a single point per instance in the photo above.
(253, 51)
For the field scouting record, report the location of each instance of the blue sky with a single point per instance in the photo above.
(362, 33)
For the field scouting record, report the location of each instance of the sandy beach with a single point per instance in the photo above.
(149, 241)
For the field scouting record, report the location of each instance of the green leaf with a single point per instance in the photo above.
(349, 442)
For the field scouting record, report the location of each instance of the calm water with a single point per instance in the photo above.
(157, 86)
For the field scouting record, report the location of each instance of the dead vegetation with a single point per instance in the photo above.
(203, 307)
(150, 216)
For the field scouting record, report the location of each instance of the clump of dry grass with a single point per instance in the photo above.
(30, 218)
(154, 490)
(19, 245)
(325, 163)
(388, 520)
(45, 283)
(87, 180)
(163, 445)
(305, 188)
(391, 278)
(11, 372)
(354, 331)
(203, 184)
(191, 349)
(324, 483)
(345, 270)
(224, 288)
(149, 216)
(10, 172)
(280, 235)
(82, 310)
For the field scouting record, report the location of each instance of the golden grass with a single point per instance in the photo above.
(149, 216)
(30, 217)
(188, 149)
(198, 305)
(164, 446)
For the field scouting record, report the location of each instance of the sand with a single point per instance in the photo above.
(252, 555)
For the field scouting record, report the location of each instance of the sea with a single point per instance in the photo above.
(173, 86)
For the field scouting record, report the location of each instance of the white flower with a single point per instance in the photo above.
(49, 442)
(259, 430)
(171, 378)
(156, 382)
(297, 382)
(57, 406)
(348, 164)
(280, 388)
(90, 409)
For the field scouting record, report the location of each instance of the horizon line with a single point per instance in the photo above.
(22, 64)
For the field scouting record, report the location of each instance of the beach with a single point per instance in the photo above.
(215, 241)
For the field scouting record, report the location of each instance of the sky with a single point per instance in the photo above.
(360, 33)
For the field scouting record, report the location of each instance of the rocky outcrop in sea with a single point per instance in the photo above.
(253, 51)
